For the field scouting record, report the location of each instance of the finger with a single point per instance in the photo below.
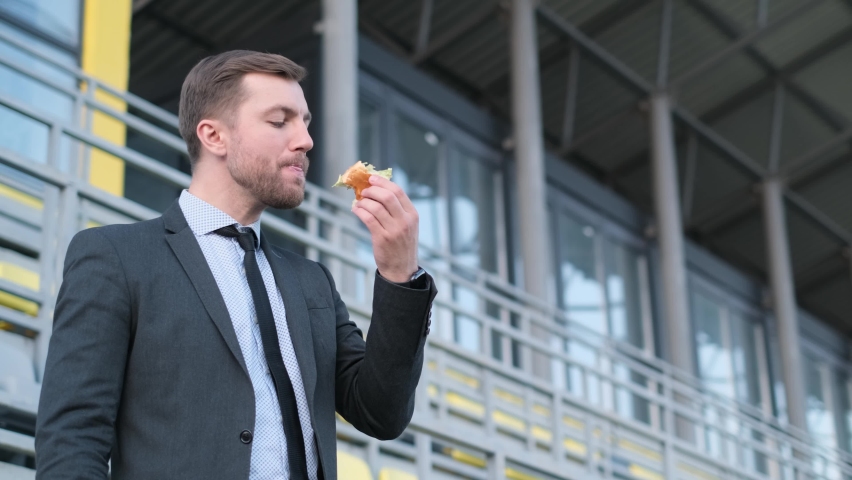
(400, 194)
(377, 210)
(369, 220)
(385, 197)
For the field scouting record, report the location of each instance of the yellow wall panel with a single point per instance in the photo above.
(106, 56)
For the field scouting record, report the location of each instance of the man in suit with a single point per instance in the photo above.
(188, 347)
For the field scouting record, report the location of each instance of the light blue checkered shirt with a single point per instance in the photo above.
(225, 258)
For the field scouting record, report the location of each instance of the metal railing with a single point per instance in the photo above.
(479, 413)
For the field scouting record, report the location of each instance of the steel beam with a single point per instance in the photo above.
(422, 39)
(816, 157)
(689, 177)
(732, 30)
(670, 234)
(762, 13)
(800, 63)
(743, 42)
(609, 61)
(568, 120)
(818, 217)
(813, 175)
(339, 86)
(601, 22)
(529, 149)
(775, 135)
(464, 26)
(665, 44)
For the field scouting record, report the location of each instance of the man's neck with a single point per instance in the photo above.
(220, 190)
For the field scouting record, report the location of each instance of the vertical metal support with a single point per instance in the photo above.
(529, 149)
(777, 126)
(665, 44)
(422, 40)
(784, 299)
(670, 234)
(690, 175)
(570, 115)
(339, 86)
(762, 13)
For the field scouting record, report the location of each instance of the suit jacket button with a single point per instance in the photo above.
(246, 436)
(427, 330)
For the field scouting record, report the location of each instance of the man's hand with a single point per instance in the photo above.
(393, 223)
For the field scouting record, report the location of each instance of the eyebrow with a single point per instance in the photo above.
(288, 112)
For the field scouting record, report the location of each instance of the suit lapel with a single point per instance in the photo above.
(186, 249)
(298, 320)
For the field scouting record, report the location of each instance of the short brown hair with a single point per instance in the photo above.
(213, 88)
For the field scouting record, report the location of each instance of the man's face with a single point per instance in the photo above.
(268, 152)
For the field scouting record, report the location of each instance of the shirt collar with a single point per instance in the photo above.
(204, 218)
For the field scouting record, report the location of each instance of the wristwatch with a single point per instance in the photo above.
(417, 279)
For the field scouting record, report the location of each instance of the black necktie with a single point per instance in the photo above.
(272, 351)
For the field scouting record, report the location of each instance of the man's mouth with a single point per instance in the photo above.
(298, 167)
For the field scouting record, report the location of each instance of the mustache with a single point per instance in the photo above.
(301, 161)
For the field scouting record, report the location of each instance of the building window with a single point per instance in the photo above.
(602, 286)
(56, 19)
(455, 182)
(731, 363)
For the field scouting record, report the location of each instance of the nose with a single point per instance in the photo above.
(302, 141)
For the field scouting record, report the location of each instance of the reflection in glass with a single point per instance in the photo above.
(19, 133)
(581, 293)
(368, 133)
(466, 330)
(845, 408)
(58, 18)
(473, 234)
(714, 360)
(623, 290)
(744, 359)
(416, 171)
(818, 412)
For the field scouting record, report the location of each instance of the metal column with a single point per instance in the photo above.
(339, 87)
(784, 298)
(529, 150)
(670, 234)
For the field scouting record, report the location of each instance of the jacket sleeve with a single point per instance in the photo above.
(376, 380)
(84, 373)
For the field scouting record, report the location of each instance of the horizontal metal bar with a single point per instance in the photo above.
(133, 100)
(17, 442)
(742, 160)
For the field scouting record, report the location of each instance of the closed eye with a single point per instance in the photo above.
(277, 124)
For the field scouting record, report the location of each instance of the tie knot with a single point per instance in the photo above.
(245, 239)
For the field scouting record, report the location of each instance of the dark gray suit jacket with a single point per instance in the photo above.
(144, 368)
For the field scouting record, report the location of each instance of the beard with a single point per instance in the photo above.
(261, 176)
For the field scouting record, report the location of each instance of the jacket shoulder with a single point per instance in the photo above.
(121, 236)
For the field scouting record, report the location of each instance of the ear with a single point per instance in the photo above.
(213, 136)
